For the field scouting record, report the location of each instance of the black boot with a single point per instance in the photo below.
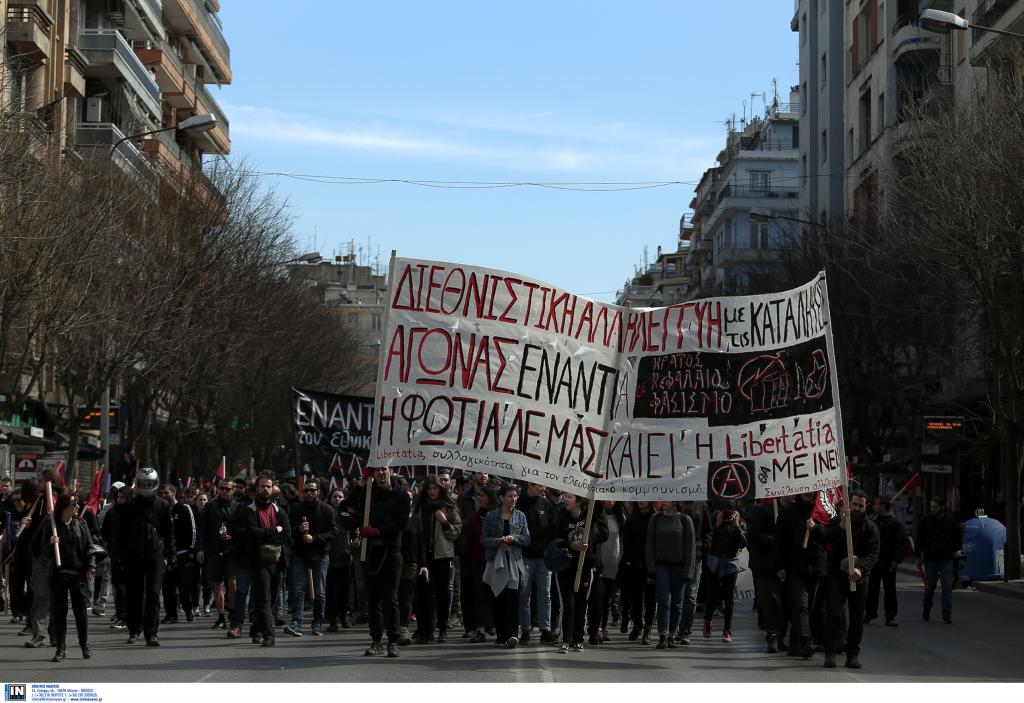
(806, 649)
(635, 634)
(86, 651)
(773, 643)
(59, 655)
(647, 636)
(830, 661)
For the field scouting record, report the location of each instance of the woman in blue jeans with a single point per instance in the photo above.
(727, 539)
(670, 552)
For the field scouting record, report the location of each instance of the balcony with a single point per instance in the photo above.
(732, 255)
(100, 137)
(908, 38)
(192, 19)
(218, 137)
(1007, 15)
(151, 13)
(170, 76)
(28, 28)
(110, 56)
(731, 190)
(759, 149)
(164, 150)
(75, 65)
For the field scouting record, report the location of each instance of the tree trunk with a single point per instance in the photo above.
(1013, 454)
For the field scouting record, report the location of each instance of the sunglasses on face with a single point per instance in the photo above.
(310, 490)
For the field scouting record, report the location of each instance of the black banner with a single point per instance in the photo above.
(734, 389)
(332, 432)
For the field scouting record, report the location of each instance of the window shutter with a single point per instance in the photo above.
(874, 25)
(855, 48)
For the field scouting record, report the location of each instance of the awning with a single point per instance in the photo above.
(17, 435)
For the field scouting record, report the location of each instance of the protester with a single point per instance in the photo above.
(213, 544)
(767, 588)
(38, 559)
(389, 515)
(801, 564)
(265, 529)
(437, 523)
(178, 582)
(608, 558)
(891, 540)
(146, 543)
(638, 590)
(18, 561)
(202, 589)
(727, 539)
(477, 598)
(939, 541)
(314, 527)
(841, 575)
(339, 570)
(670, 551)
(110, 530)
(570, 528)
(540, 517)
(68, 581)
(700, 514)
(504, 535)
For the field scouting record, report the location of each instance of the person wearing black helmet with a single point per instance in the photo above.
(146, 543)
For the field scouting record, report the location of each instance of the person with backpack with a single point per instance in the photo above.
(727, 539)
(570, 527)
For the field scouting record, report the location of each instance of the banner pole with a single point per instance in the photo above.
(830, 346)
(21, 528)
(366, 516)
(53, 522)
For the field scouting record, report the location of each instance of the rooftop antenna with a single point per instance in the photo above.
(743, 122)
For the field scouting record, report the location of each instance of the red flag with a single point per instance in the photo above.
(302, 481)
(827, 505)
(60, 471)
(95, 499)
(914, 482)
(221, 471)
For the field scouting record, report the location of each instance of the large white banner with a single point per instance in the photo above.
(719, 398)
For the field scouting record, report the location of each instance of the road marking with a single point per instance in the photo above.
(206, 677)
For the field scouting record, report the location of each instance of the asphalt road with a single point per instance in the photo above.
(981, 645)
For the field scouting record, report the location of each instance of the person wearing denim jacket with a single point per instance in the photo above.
(503, 537)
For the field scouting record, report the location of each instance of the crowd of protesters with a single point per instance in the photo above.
(422, 562)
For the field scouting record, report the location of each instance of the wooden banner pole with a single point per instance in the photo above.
(53, 522)
(366, 516)
(586, 539)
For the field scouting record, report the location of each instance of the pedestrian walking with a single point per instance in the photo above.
(213, 549)
(768, 594)
(504, 535)
(637, 588)
(891, 542)
(609, 558)
(540, 520)
(314, 527)
(570, 528)
(436, 521)
(179, 581)
(69, 580)
(727, 539)
(801, 564)
(477, 598)
(339, 569)
(939, 542)
(670, 552)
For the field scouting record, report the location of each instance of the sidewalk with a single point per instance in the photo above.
(1008, 589)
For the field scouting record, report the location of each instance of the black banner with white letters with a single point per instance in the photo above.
(332, 432)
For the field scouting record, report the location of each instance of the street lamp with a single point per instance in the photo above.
(193, 125)
(942, 22)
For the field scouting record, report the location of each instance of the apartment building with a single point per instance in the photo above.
(822, 90)
(666, 281)
(91, 72)
(358, 293)
(758, 171)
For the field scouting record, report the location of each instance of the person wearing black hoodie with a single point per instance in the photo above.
(891, 540)
(767, 589)
(569, 527)
(179, 580)
(389, 516)
(939, 540)
(865, 550)
(638, 590)
(146, 541)
(801, 568)
(540, 520)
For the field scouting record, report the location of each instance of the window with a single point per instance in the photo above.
(803, 98)
(759, 235)
(824, 70)
(377, 322)
(353, 321)
(803, 29)
(881, 111)
(849, 146)
(796, 136)
(760, 180)
(866, 132)
(824, 145)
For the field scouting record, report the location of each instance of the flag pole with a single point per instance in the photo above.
(53, 522)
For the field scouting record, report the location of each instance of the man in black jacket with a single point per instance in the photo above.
(389, 516)
(178, 582)
(540, 519)
(262, 528)
(767, 589)
(213, 544)
(146, 542)
(891, 538)
(938, 541)
(314, 527)
(800, 568)
(841, 575)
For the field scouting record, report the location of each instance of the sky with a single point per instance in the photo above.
(566, 92)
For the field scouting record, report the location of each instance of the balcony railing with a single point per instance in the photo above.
(177, 151)
(209, 101)
(134, 70)
(28, 26)
(212, 28)
(102, 136)
(730, 190)
(988, 14)
(758, 145)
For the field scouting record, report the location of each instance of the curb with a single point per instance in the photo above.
(1003, 589)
